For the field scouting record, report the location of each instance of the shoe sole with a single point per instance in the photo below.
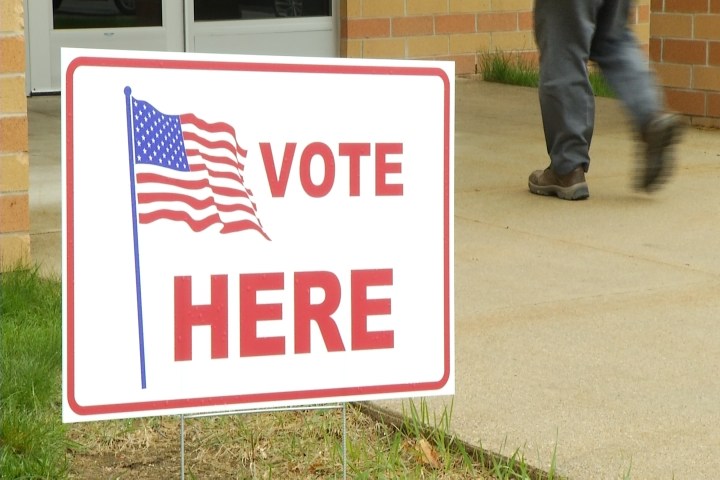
(579, 191)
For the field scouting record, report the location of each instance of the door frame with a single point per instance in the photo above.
(310, 35)
(316, 36)
(44, 43)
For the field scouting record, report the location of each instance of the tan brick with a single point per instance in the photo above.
(713, 53)
(643, 13)
(14, 251)
(14, 212)
(673, 75)
(12, 94)
(692, 52)
(497, 22)
(685, 101)
(426, 7)
(368, 28)
(713, 105)
(11, 16)
(470, 43)
(642, 33)
(656, 6)
(429, 46)
(714, 6)
(513, 41)
(511, 5)
(412, 26)
(351, 48)
(471, 6)
(384, 48)
(671, 25)
(14, 172)
(460, 23)
(13, 134)
(707, 27)
(350, 9)
(12, 59)
(383, 8)
(706, 78)
(687, 6)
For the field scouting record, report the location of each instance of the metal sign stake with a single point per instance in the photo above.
(343, 406)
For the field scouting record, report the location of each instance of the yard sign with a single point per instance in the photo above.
(244, 232)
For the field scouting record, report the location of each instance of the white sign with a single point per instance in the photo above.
(244, 232)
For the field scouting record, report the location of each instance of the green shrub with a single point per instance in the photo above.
(513, 69)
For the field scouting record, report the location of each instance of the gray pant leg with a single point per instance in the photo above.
(616, 51)
(564, 30)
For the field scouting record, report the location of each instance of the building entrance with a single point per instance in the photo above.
(262, 27)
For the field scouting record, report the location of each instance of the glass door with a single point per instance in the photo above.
(112, 24)
(258, 27)
(262, 27)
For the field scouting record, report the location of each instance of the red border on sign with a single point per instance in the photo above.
(230, 400)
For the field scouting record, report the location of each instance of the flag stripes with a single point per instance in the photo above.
(190, 170)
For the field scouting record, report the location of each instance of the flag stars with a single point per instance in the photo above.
(159, 138)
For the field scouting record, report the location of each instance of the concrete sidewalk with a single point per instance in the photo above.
(587, 327)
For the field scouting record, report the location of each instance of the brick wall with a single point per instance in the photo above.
(14, 165)
(457, 30)
(685, 51)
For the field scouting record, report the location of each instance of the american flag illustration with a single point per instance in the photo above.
(184, 169)
(191, 171)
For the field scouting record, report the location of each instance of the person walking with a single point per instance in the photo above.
(569, 33)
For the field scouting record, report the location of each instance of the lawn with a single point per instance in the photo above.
(307, 443)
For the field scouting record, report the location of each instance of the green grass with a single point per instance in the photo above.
(34, 444)
(292, 444)
(32, 436)
(417, 424)
(512, 69)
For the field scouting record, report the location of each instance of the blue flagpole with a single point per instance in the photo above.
(138, 290)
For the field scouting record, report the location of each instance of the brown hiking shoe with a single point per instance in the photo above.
(568, 187)
(659, 137)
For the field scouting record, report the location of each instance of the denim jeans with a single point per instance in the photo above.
(569, 33)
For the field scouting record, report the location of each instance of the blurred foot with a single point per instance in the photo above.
(659, 137)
